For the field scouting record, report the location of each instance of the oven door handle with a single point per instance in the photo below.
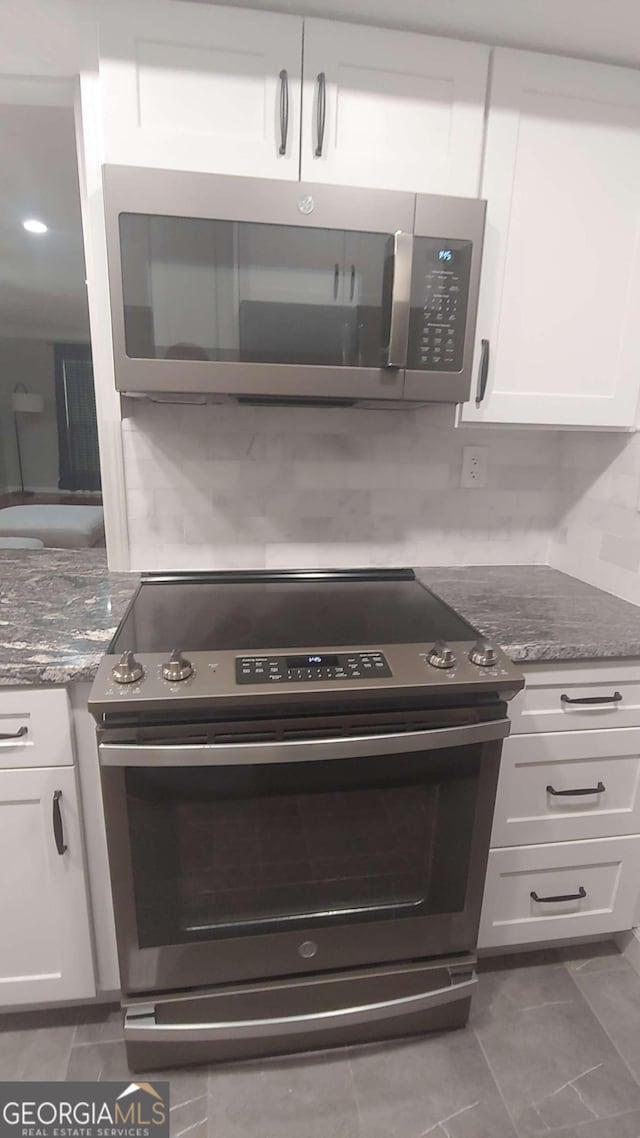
(297, 750)
(140, 1019)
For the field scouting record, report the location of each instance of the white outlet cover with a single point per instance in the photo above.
(475, 461)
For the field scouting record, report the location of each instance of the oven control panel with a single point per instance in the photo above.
(307, 667)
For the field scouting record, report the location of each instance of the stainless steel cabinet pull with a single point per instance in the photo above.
(400, 300)
(58, 831)
(599, 789)
(284, 111)
(483, 373)
(352, 285)
(19, 734)
(321, 113)
(336, 280)
(561, 896)
(592, 700)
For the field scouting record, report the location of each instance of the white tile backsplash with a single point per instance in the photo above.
(236, 486)
(597, 537)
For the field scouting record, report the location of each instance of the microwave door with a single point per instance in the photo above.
(226, 285)
(445, 276)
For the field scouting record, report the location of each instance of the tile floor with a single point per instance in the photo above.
(553, 1049)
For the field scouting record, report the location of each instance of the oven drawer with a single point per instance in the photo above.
(35, 729)
(582, 889)
(577, 698)
(568, 785)
(301, 1014)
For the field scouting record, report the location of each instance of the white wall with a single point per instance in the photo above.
(29, 362)
(598, 530)
(230, 486)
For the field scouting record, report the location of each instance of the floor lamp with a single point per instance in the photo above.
(24, 402)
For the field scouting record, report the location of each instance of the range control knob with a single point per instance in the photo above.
(177, 667)
(127, 670)
(483, 654)
(441, 655)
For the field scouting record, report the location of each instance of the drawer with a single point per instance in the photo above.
(606, 763)
(39, 719)
(606, 874)
(577, 698)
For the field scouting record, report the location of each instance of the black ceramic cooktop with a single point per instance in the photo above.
(244, 611)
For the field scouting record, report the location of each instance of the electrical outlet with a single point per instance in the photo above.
(474, 467)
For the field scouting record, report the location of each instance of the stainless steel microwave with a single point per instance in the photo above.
(287, 291)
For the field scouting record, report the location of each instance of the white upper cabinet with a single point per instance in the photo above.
(200, 87)
(392, 110)
(560, 289)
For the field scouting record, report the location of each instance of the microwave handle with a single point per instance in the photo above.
(400, 300)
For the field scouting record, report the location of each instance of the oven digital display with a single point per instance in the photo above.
(315, 661)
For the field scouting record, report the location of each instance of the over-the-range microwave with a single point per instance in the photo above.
(284, 291)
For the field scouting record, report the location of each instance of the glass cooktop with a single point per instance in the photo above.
(243, 611)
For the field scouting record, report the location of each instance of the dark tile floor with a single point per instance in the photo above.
(552, 1049)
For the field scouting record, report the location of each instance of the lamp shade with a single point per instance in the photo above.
(23, 402)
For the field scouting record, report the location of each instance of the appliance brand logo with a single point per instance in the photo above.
(306, 204)
(84, 1110)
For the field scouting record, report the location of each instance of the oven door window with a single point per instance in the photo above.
(198, 289)
(227, 851)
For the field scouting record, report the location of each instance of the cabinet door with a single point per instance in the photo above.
(45, 947)
(392, 109)
(200, 87)
(560, 288)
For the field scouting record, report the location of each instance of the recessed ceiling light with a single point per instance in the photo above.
(32, 225)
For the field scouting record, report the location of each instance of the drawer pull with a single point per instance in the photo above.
(599, 789)
(561, 896)
(58, 832)
(19, 734)
(592, 700)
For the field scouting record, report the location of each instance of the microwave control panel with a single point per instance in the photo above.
(311, 666)
(439, 299)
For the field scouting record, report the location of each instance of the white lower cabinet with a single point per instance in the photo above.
(567, 817)
(558, 890)
(567, 786)
(46, 952)
(45, 948)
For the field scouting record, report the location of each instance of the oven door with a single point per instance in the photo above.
(241, 860)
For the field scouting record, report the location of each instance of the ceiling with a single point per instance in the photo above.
(42, 37)
(42, 277)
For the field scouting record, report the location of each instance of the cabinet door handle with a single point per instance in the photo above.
(561, 896)
(284, 110)
(19, 734)
(599, 789)
(336, 280)
(321, 113)
(352, 284)
(483, 371)
(592, 700)
(58, 831)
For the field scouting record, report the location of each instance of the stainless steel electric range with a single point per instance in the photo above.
(299, 773)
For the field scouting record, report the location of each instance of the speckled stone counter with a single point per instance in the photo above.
(535, 613)
(59, 609)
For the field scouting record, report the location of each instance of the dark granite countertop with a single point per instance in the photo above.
(536, 613)
(59, 609)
